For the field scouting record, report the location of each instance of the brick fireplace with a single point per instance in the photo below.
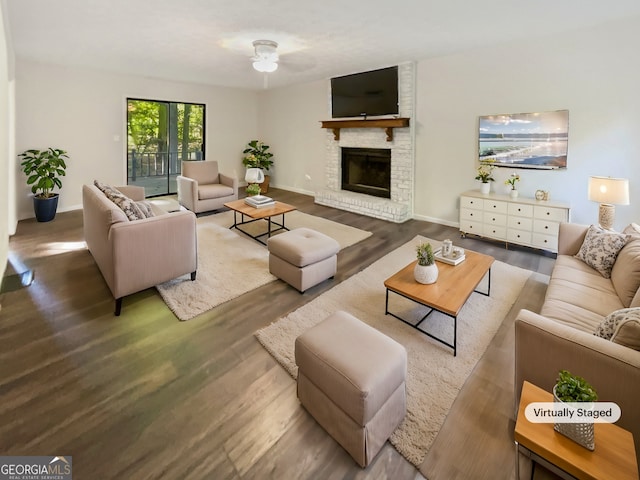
(398, 205)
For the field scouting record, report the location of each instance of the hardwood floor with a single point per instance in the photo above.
(144, 395)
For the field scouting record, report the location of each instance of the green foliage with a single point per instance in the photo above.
(571, 388)
(257, 156)
(43, 169)
(425, 254)
(253, 189)
(485, 173)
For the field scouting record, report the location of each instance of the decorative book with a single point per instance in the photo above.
(450, 260)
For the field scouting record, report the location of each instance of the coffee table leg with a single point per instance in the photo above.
(488, 292)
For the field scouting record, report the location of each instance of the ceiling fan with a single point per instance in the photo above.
(266, 57)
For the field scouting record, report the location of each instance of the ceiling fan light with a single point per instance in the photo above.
(265, 66)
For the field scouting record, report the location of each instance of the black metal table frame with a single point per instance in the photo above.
(431, 309)
(269, 220)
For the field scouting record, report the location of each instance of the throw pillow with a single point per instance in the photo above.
(128, 206)
(622, 327)
(600, 249)
(632, 229)
(146, 208)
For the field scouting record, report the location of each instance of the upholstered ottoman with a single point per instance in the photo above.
(303, 257)
(351, 379)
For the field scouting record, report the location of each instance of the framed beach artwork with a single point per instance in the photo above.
(525, 140)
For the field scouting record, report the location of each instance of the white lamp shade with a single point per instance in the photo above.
(265, 66)
(609, 190)
(254, 175)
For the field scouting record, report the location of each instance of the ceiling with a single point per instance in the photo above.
(210, 41)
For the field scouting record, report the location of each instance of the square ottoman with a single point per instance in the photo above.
(303, 257)
(351, 379)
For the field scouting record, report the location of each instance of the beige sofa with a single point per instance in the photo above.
(562, 336)
(133, 255)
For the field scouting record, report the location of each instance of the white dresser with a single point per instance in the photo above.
(523, 221)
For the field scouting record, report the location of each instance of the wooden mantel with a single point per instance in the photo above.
(387, 123)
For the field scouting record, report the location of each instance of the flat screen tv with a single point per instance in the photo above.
(525, 140)
(365, 94)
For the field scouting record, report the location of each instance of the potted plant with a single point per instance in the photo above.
(426, 270)
(513, 179)
(258, 156)
(253, 189)
(574, 389)
(485, 171)
(43, 169)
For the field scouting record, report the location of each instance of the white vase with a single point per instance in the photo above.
(485, 188)
(514, 193)
(425, 274)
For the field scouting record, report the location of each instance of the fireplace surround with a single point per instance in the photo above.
(398, 206)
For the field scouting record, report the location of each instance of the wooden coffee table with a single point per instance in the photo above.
(614, 457)
(448, 295)
(255, 214)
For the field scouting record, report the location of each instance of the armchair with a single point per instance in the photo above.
(201, 187)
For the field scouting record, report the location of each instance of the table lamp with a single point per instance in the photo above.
(254, 175)
(608, 192)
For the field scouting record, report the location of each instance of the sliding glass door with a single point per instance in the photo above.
(160, 135)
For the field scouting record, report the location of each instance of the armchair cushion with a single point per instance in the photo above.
(213, 190)
(203, 172)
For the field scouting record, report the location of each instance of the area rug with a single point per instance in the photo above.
(435, 376)
(231, 264)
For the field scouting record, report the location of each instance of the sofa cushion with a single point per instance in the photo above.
(578, 296)
(600, 249)
(132, 209)
(625, 274)
(622, 327)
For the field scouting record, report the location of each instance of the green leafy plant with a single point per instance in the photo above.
(425, 254)
(512, 180)
(43, 169)
(257, 155)
(572, 388)
(253, 189)
(485, 173)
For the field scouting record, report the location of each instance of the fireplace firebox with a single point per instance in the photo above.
(367, 170)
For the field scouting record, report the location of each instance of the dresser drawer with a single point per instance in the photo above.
(545, 227)
(471, 202)
(495, 206)
(468, 214)
(546, 242)
(495, 231)
(467, 226)
(491, 218)
(518, 236)
(550, 213)
(520, 210)
(520, 223)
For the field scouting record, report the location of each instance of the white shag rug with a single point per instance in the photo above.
(434, 375)
(231, 264)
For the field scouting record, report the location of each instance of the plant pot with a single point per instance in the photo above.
(264, 186)
(425, 274)
(581, 433)
(485, 188)
(45, 207)
(514, 193)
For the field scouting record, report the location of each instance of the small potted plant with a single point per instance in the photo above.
(574, 389)
(513, 179)
(258, 156)
(485, 171)
(253, 189)
(43, 169)
(426, 270)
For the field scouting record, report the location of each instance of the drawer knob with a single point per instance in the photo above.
(548, 213)
(518, 223)
(546, 227)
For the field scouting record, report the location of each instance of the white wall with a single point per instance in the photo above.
(592, 73)
(7, 207)
(289, 122)
(83, 111)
